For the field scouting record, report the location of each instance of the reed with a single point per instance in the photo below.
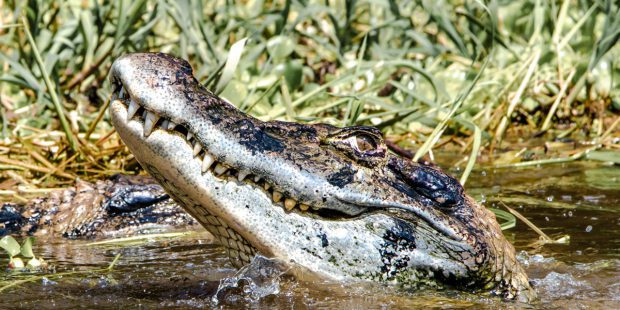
(425, 72)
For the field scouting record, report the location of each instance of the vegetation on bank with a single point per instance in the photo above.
(483, 77)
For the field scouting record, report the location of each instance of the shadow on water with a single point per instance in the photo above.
(579, 199)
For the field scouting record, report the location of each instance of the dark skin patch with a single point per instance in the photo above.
(404, 188)
(324, 241)
(133, 197)
(11, 219)
(343, 177)
(256, 140)
(311, 253)
(399, 238)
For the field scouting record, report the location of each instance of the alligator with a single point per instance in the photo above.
(119, 206)
(334, 202)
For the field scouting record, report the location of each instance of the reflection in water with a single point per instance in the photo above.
(580, 200)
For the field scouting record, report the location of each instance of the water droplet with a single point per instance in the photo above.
(547, 218)
(46, 281)
(589, 228)
(550, 198)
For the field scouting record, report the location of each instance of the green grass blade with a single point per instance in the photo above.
(50, 88)
(10, 245)
(436, 134)
(507, 220)
(473, 156)
(232, 61)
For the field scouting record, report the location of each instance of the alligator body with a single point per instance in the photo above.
(331, 200)
(120, 206)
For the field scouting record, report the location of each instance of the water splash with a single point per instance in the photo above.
(562, 285)
(526, 259)
(252, 282)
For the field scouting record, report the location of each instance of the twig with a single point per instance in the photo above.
(557, 101)
(545, 237)
(36, 168)
(93, 125)
(82, 75)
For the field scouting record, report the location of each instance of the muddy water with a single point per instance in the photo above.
(580, 200)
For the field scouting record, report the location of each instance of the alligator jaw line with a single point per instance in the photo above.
(151, 122)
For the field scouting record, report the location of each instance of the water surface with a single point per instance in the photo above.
(580, 200)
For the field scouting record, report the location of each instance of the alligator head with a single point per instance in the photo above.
(331, 200)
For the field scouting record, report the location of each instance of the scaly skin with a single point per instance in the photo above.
(330, 200)
(122, 205)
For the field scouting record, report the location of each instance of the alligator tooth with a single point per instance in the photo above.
(121, 93)
(277, 196)
(132, 109)
(289, 203)
(256, 178)
(266, 186)
(149, 122)
(171, 125)
(207, 161)
(189, 135)
(164, 124)
(220, 169)
(242, 175)
(304, 207)
(197, 148)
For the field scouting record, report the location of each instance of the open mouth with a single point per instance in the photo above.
(209, 164)
(151, 121)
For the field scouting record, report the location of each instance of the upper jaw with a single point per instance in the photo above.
(287, 185)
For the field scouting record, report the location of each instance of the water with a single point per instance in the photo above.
(580, 200)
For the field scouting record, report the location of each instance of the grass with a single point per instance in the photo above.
(462, 75)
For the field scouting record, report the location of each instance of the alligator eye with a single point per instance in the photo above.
(365, 143)
(362, 144)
